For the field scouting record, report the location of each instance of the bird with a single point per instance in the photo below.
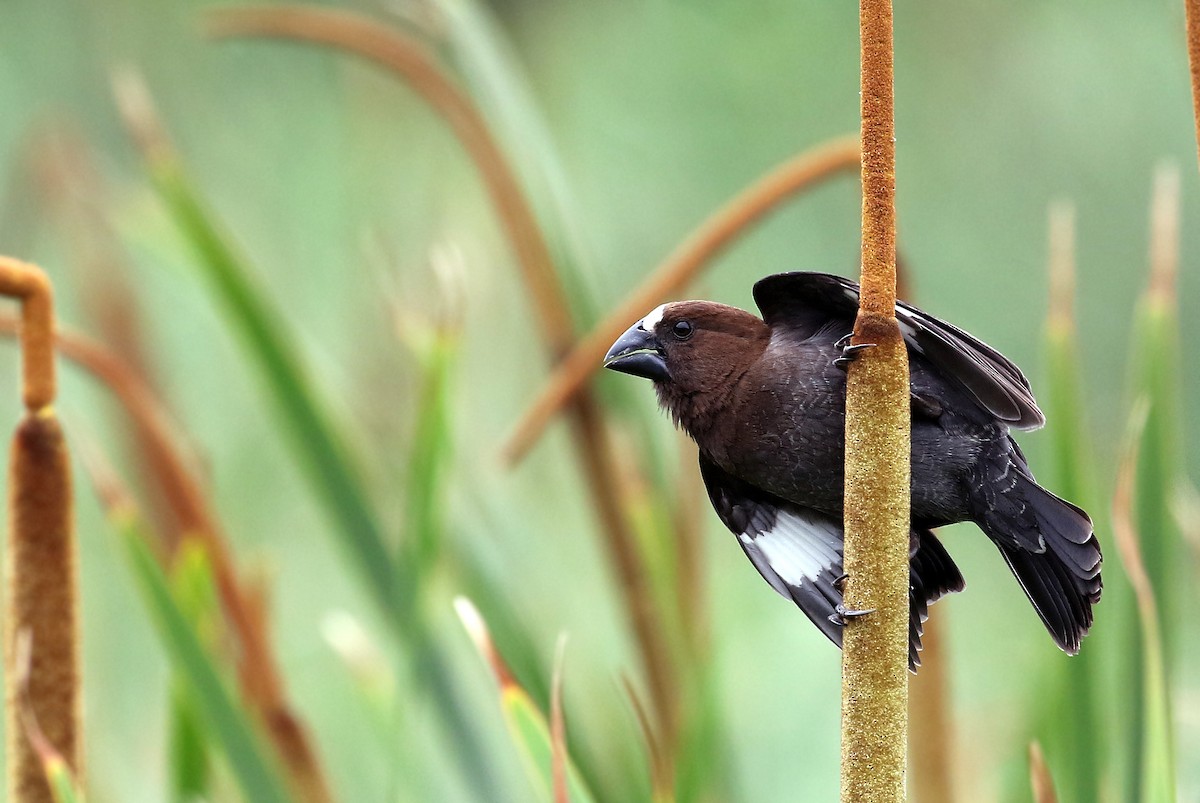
(764, 400)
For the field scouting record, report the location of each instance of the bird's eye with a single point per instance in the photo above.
(682, 330)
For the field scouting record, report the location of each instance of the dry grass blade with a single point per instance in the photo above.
(660, 763)
(686, 526)
(1039, 776)
(402, 54)
(258, 673)
(673, 274)
(1192, 14)
(558, 728)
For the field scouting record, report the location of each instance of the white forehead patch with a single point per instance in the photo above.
(653, 317)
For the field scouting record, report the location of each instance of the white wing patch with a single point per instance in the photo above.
(653, 317)
(799, 547)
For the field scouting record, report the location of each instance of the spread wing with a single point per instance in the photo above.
(808, 303)
(798, 551)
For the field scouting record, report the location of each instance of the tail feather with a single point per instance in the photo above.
(1048, 543)
(932, 575)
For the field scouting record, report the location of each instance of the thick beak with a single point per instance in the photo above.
(638, 352)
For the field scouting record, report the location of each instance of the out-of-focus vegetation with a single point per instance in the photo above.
(305, 264)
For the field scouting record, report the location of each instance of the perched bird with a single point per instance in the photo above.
(765, 402)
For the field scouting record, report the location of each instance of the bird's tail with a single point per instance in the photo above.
(931, 575)
(1046, 541)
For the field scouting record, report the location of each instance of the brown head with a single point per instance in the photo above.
(694, 351)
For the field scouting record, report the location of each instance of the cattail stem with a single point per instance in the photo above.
(875, 646)
(40, 572)
(1192, 15)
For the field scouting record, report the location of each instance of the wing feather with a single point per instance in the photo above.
(809, 303)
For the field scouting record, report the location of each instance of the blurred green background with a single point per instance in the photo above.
(337, 182)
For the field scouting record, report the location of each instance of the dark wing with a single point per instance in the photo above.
(806, 303)
(798, 551)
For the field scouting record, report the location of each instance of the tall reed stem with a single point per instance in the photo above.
(875, 646)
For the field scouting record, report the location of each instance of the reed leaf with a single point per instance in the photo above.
(223, 718)
(322, 452)
(1078, 742)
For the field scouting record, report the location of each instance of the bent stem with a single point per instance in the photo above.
(674, 273)
(875, 647)
(40, 580)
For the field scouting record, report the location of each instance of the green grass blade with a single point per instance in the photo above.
(431, 447)
(1078, 742)
(321, 452)
(526, 722)
(227, 723)
(193, 589)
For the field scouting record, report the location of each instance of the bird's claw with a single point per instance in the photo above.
(841, 614)
(839, 582)
(850, 353)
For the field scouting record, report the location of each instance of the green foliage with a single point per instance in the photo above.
(224, 718)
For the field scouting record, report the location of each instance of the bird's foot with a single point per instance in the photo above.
(849, 352)
(839, 582)
(841, 614)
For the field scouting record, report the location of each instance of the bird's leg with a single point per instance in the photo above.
(849, 352)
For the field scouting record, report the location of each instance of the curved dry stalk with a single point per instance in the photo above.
(404, 55)
(1039, 776)
(931, 735)
(40, 570)
(1192, 15)
(398, 52)
(258, 673)
(708, 240)
(875, 647)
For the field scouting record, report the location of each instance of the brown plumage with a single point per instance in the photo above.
(764, 400)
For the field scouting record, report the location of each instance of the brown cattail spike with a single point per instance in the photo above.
(41, 581)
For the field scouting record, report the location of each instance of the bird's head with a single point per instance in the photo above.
(690, 347)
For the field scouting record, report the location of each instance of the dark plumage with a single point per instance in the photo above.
(765, 402)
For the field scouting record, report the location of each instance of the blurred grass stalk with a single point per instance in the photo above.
(1078, 742)
(1155, 362)
(1157, 769)
(41, 604)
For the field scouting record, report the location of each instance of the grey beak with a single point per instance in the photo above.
(639, 353)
